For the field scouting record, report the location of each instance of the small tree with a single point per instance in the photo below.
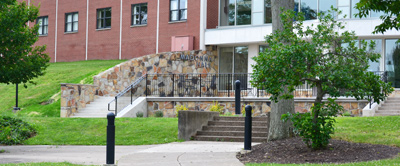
(327, 59)
(19, 61)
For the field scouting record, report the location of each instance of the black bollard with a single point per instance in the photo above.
(247, 128)
(110, 156)
(237, 97)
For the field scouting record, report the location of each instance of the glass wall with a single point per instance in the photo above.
(392, 62)
(375, 66)
(232, 60)
(235, 12)
(309, 8)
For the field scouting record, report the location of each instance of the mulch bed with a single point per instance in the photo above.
(293, 150)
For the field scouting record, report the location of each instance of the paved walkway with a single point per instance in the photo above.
(189, 153)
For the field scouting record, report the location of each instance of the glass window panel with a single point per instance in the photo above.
(243, 12)
(99, 23)
(40, 30)
(135, 9)
(375, 66)
(241, 54)
(267, 11)
(263, 48)
(108, 12)
(225, 66)
(183, 4)
(144, 8)
(76, 17)
(75, 26)
(45, 30)
(40, 21)
(69, 18)
(296, 6)
(353, 8)
(377, 14)
(136, 20)
(69, 27)
(258, 18)
(144, 19)
(46, 21)
(325, 5)
(345, 12)
(108, 22)
(183, 14)
(174, 4)
(231, 12)
(342, 2)
(309, 8)
(392, 62)
(100, 14)
(174, 15)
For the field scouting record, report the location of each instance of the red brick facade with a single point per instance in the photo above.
(105, 43)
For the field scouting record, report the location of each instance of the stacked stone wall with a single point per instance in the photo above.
(75, 97)
(260, 107)
(116, 79)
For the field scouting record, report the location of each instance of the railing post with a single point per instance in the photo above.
(237, 97)
(200, 85)
(247, 128)
(116, 103)
(110, 149)
(145, 91)
(131, 93)
(173, 85)
(229, 85)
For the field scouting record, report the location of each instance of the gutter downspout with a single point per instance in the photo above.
(87, 29)
(55, 40)
(158, 25)
(120, 30)
(203, 23)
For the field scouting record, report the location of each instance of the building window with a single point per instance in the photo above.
(235, 12)
(43, 25)
(139, 14)
(178, 10)
(71, 22)
(233, 60)
(263, 48)
(103, 18)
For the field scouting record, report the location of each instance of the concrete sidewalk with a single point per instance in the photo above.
(189, 153)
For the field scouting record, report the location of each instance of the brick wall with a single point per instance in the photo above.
(212, 14)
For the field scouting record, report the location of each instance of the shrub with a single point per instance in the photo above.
(216, 107)
(180, 108)
(139, 114)
(14, 131)
(316, 134)
(159, 114)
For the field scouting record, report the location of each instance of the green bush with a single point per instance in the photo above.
(217, 108)
(180, 108)
(139, 114)
(316, 134)
(14, 131)
(159, 114)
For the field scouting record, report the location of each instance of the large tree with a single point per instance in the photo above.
(324, 57)
(277, 128)
(390, 8)
(20, 62)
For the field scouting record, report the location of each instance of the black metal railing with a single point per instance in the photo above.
(128, 95)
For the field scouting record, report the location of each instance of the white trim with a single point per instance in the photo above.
(203, 23)
(120, 30)
(87, 29)
(55, 39)
(158, 25)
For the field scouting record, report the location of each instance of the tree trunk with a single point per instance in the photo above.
(277, 128)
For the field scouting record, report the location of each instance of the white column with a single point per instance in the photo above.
(253, 51)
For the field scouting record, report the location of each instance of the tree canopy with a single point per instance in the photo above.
(20, 61)
(390, 8)
(323, 56)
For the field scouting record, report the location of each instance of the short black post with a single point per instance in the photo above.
(247, 128)
(237, 97)
(16, 108)
(110, 139)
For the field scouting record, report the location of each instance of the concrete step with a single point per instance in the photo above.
(389, 108)
(235, 123)
(230, 133)
(390, 104)
(233, 118)
(228, 138)
(233, 128)
(388, 111)
(392, 101)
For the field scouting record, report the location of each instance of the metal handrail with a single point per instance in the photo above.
(126, 90)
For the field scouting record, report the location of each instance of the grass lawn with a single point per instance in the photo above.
(30, 98)
(41, 164)
(92, 131)
(374, 130)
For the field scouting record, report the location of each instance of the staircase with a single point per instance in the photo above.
(231, 129)
(391, 107)
(96, 109)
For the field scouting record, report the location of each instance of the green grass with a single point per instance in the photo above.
(92, 131)
(41, 164)
(30, 98)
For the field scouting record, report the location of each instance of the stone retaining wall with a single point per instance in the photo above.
(75, 97)
(259, 107)
(116, 79)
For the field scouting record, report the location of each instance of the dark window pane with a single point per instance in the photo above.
(108, 12)
(392, 62)
(309, 8)
(243, 16)
(183, 15)
(99, 23)
(267, 12)
(108, 22)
